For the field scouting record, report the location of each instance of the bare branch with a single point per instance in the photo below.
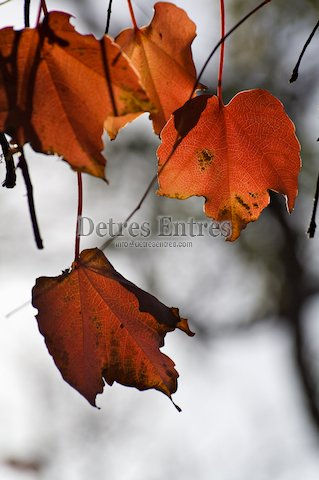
(26, 176)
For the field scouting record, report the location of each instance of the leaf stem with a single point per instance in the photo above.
(79, 215)
(39, 15)
(108, 18)
(27, 180)
(27, 13)
(132, 14)
(295, 71)
(128, 218)
(44, 7)
(108, 77)
(222, 52)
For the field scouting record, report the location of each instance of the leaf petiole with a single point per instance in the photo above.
(132, 15)
(295, 71)
(222, 52)
(79, 215)
(222, 40)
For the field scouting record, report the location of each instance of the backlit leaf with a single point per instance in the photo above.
(231, 155)
(161, 52)
(57, 88)
(97, 324)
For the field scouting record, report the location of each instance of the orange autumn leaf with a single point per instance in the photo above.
(57, 87)
(161, 52)
(231, 155)
(97, 324)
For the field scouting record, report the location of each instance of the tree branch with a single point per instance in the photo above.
(294, 296)
(306, 371)
(108, 19)
(27, 13)
(312, 227)
(26, 176)
(10, 180)
(295, 71)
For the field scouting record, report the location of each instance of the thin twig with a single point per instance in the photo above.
(108, 19)
(5, 1)
(10, 180)
(222, 40)
(26, 176)
(295, 71)
(44, 7)
(312, 226)
(17, 309)
(128, 218)
(295, 295)
(39, 15)
(27, 13)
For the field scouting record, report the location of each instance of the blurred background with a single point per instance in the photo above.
(248, 382)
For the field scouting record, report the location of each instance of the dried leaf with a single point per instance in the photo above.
(97, 324)
(57, 88)
(231, 155)
(161, 52)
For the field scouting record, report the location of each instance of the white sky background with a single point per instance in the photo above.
(243, 414)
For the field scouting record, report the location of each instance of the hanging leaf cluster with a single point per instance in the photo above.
(60, 91)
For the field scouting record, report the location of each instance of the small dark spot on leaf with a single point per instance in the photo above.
(242, 203)
(205, 158)
(224, 212)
